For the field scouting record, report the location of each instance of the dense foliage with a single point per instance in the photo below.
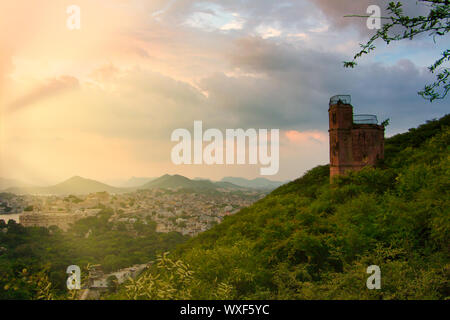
(34, 258)
(311, 239)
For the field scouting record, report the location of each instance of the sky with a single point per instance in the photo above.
(101, 102)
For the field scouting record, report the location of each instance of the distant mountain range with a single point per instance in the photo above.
(74, 185)
(136, 182)
(258, 183)
(79, 185)
(12, 183)
(168, 181)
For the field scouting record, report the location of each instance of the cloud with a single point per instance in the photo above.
(252, 64)
(50, 88)
(297, 83)
(255, 54)
(336, 10)
(105, 73)
(6, 66)
(298, 137)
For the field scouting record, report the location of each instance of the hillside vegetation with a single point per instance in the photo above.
(312, 240)
(33, 260)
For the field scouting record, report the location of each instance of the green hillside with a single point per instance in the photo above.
(312, 240)
(257, 183)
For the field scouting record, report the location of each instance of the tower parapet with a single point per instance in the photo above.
(356, 141)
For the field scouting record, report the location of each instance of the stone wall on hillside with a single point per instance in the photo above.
(353, 146)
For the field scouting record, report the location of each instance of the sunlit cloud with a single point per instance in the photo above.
(50, 88)
(267, 32)
(236, 24)
(306, 136)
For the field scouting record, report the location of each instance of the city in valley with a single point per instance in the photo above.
(188, 212)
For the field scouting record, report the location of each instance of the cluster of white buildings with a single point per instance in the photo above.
(186, 212)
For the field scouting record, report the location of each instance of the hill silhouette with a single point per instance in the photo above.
(310, 239)
(74, 185)
(136, 182)
(79, 185)
(178, 181)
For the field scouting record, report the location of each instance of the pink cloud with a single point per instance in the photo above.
(306, 136)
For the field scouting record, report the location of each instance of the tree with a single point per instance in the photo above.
(401, 27)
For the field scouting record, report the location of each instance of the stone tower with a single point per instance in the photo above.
(355, 141)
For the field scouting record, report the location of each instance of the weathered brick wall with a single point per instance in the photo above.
(352, 146)
(367, 145)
